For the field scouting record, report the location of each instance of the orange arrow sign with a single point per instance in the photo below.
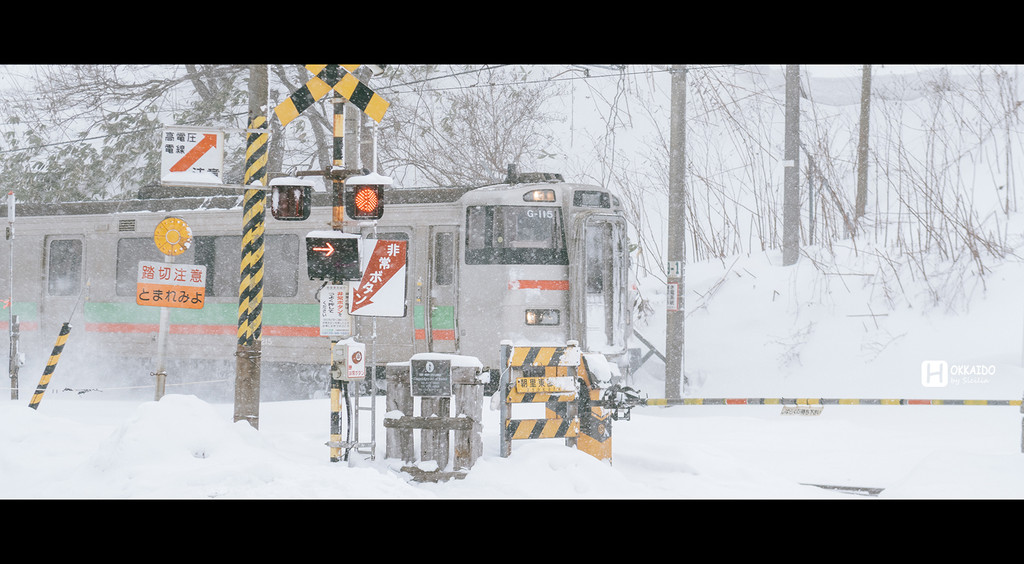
(327, 251)
(208, 142)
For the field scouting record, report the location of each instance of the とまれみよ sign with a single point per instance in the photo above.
(167, 284)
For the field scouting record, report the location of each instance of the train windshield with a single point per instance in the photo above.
(515, 235)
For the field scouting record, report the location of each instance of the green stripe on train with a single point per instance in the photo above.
(26, 311)
(295, 315)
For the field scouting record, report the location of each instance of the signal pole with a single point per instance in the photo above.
(674, 330)
(13, 326)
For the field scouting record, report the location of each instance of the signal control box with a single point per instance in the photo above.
(348, 360)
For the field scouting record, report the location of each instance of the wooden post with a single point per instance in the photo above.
(399, 441)
(469, 399)
(438, 427)
(434, 442)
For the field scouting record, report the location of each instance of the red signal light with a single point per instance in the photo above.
(365, 201)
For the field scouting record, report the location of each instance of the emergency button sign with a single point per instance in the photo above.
(381, 291)
(166, 284)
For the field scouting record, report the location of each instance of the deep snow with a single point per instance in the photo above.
(767, 331)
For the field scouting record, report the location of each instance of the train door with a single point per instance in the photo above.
(600, 275)
(387, 338)
(442, 328)
(64, 283)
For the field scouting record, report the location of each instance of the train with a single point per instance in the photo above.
(533, 260)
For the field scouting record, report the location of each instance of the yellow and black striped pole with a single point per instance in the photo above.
(250, 288)
(337, 223)
(51, 365)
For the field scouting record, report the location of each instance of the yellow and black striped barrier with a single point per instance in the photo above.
(559, 378)
(51, 366)
(548, 428)
(616, 404)
(825, 401)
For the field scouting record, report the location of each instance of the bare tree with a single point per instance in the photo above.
(91, 131)
(462, 126)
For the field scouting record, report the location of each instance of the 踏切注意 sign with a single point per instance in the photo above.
(166, 284)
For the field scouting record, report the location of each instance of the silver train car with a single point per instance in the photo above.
(533, 262)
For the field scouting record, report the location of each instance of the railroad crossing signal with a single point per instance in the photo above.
(290, 198)
(327, 78)
(364, 196)
(332, 256)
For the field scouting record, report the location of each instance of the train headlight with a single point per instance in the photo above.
(543, 317)
(545, 195)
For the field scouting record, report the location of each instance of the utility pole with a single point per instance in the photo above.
(674, 330)
(862, 144)
(250, 290)
(791, 175)
(14, 325)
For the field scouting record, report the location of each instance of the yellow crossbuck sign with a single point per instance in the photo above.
(325, 79)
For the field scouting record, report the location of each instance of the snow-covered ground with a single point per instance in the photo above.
(852, 323)
(760, 330)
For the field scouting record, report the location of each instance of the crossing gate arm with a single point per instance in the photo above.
(628, 400)
(823, 401)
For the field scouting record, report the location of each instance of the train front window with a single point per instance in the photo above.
(515, 235)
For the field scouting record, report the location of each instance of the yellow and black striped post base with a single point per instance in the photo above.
(335, 420)
(51, 365)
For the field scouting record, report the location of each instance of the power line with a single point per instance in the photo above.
(395, 89)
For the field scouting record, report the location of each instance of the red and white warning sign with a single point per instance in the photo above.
(191, 155)
(381, 291)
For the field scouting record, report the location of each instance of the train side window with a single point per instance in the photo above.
(280, 265)
(64, 268)
(284, 271)
(131, 251)
(227, 260)
(444, 255)
(221, 255)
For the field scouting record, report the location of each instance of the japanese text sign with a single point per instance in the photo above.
(190, 155)
(381, 291)
(167, 284)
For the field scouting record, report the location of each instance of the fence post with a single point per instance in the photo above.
(436, 422)
(505, 446)
(469, 398)
(399, 399)
(434, 442)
